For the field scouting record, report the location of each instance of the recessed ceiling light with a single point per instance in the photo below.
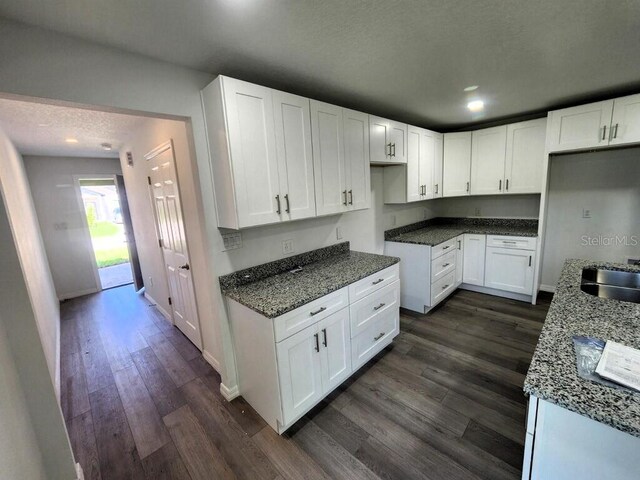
(471, 88)
(475, 105)
(71, 140)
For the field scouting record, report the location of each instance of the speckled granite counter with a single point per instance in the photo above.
(438, 230)
(272, 289)
(553, 375)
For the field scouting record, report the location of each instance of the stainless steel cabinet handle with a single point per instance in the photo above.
(286, 198)
(445, 287)
(604, 132)
(388, 154)
(529, 260)
(467, 186)
(615, 131)
(378, 281)
(320, 310)
(393, 145)
(350, 197)
(436, 188)
(378, 337)
(379, 306)
(507, 189)
(317, 342)
(324, 336)
(446, 246)
(185, 266)
(510, 242)
(278, 211)
(344, 197)
(500, 185)
(459, 245)
(445, 265)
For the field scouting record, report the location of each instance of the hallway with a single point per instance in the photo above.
(445, 401)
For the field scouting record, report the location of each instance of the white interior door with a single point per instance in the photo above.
(295, 160)
(172, 240)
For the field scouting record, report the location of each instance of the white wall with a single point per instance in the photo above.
(30, 320)
(495, 206)
(69, 249)
(608, 184)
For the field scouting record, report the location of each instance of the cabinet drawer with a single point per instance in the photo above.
(504, 241)
(292, 322)
(367, 310)
(375, 337)
(442, 248)
(443, 265)
(370, 284)
(443, 287)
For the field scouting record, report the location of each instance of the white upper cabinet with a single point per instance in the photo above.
(438, 165)
(414, 181)
(575, 128)
(525, 156)
(456, 176)
(341, 158)
(328, 158)
(295, 160)
(488, 153)
(356, 157)
(625, 124)
(388, 141)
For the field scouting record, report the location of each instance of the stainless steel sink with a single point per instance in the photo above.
(611, 284)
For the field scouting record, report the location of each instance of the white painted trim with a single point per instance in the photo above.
(229, 393)
(78, 293)
(164, 313)
(548, 288)
(496, 293)
(79, 472)
(211, 360)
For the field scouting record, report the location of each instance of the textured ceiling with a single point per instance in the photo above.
(408, 60)
(41, 129)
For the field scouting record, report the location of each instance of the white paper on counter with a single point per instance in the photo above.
(620, 364)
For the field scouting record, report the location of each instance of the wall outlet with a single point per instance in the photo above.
(150, 281)
(338, 233)
(287, 247)
(586, 213)
(477, 212)
(232, 241)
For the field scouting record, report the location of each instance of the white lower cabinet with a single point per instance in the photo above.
(287, 364)
(459, 258)
(509, 269)
(474, 255)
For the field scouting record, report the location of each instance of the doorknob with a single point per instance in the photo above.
(185, 266)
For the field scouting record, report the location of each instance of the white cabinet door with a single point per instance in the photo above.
(295, 160)
(625, 124)
(388, 141)
(356, 157)
(438, 165)
(327, 133)
(300, 372)
(457, 164)
(335, 346)
(459, 258)
(525, 156)
(427, 163)
(250, 125)
(510, 269)
(488, 150)
(473, 264)
(414, 154)
(575, 128)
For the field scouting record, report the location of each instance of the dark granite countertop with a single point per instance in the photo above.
(272, 289)
(438, 230)
(553, 375)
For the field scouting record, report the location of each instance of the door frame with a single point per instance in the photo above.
(161, 148)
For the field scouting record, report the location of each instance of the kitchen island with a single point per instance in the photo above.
(577, 428)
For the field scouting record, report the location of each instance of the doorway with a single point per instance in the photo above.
(109, 225)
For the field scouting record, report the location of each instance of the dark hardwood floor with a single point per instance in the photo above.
(444, 402)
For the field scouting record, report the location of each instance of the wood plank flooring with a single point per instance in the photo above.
(444, 402)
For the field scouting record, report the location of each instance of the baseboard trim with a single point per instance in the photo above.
(497, 293)
(164, 313)
(211, 360)
(229, 393)
(548, 288)
(79, 293)
(79, 472)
